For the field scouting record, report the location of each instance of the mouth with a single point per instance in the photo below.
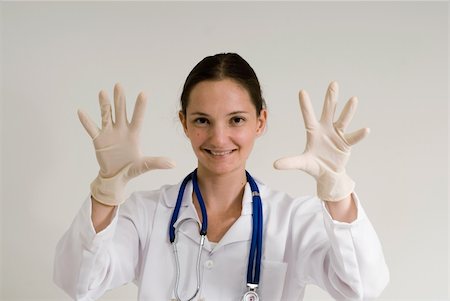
(218, 153)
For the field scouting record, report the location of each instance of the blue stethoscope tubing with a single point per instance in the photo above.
(255, 254)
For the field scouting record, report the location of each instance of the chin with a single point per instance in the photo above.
(220, 169)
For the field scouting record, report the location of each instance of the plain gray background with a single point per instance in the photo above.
(392, 55)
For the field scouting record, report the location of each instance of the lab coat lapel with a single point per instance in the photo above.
(187, 210)
(241, 230)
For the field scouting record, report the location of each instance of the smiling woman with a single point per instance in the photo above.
(254, 242)
(222, 124)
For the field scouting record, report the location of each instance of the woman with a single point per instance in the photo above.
(326, 241)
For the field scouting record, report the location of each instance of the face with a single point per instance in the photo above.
(222, 124)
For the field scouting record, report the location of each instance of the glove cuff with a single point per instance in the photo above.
(333, 187)
(110, 191)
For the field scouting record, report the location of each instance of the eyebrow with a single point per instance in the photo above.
(229, 114)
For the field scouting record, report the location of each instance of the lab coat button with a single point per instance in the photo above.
(209, 264)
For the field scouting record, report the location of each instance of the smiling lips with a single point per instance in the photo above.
(219, 153)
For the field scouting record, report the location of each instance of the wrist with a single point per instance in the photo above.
(99, 204)
(101, 214)
(344, 210)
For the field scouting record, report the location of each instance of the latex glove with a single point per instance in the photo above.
(117, 147)
(327, 146)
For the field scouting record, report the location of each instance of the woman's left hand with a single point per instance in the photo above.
(327, 146)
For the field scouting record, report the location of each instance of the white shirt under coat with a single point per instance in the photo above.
(302, 245)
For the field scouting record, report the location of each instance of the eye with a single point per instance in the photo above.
(201, 121)
(237, 120)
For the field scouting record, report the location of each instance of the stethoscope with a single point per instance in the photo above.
(254, 260)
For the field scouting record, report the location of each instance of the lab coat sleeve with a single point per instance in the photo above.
(347, 260)
(87, 264)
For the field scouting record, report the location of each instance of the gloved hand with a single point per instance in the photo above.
(117, 147)
(327, 146)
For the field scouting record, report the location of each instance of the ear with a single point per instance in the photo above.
(183, 121)
(262, 121)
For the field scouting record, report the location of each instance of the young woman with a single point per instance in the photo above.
(219, 234)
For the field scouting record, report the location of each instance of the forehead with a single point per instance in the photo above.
(226, 94)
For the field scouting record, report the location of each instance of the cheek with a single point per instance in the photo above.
(246, 137)
(196, 136)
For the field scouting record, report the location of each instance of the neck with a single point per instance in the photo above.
(222, 192)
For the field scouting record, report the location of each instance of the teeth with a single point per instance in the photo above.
(220, 153)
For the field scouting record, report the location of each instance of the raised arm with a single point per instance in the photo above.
(343, 257)
(118, 154)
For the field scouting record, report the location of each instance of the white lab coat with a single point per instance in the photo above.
(301, 245)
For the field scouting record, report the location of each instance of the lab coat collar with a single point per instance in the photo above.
(170, 195)
(187, 210)
(241, 230)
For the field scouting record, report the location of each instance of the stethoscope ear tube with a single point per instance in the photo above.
(201, 202)
(254, 260)
(176, 211)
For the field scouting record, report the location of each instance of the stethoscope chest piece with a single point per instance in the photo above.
(250, 296)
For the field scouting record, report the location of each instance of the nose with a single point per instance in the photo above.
(218, 135)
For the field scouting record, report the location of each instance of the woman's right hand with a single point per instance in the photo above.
(117, 147)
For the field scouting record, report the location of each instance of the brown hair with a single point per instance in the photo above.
(224, 66)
